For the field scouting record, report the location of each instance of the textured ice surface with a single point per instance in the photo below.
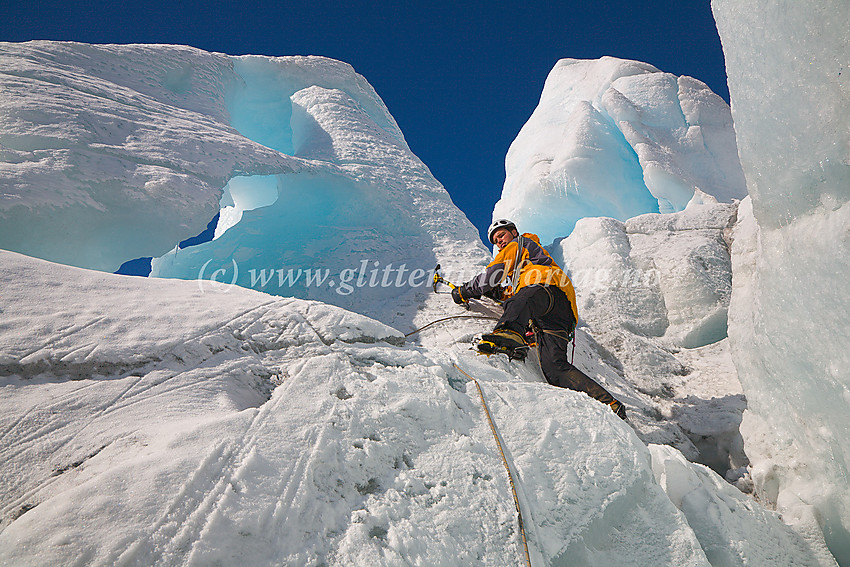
(363, 230)
(790, 309)
(732, 529)
(669, 275)
(148, 421)
(114, 152)
(161, 421)
(654, 293)
(617, 138)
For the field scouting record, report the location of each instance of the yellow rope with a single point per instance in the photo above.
(504, 462)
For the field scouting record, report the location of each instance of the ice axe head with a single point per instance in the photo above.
(440, 279)
(437, 277)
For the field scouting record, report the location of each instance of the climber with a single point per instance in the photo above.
(538, 292)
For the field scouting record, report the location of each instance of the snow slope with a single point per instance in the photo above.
(155, 422)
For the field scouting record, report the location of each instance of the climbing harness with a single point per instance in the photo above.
(569, 337)
(504, 462)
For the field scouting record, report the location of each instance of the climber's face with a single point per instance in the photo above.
(503, 237)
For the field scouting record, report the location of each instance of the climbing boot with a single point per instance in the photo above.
(505, 338)
(504, 341)
(618, 409)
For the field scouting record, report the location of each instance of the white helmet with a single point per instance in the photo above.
(499, 224)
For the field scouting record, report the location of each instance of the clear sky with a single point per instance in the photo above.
(460, 78)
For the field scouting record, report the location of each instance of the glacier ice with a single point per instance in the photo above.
(168, 423)
(720, 514)
(193, 421)
(204, 426)
(654, 293)
(790, 309)
(352, 223)
(103, 144)
(669, 275)
(245, 193)
(617, 138)
(117, 152)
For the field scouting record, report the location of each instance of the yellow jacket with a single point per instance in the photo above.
(536, 266)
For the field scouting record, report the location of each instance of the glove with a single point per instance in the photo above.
(496, 294)
(458, 296)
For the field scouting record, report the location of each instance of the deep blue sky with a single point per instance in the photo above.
(460, 78)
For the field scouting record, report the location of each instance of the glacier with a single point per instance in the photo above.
(789, 314)
(159, 421)
(167, 424)
(617, 138)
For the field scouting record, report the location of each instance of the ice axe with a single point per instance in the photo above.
(438, 279)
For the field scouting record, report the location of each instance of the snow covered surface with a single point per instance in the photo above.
(617, 138)
(100, 144)
(790, 311)
(149, 421)
(201, 426)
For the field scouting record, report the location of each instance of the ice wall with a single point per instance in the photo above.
(654, 293)
(790, 311)
(617, 138)
(362, 229)
(114, 152)
(659, 275)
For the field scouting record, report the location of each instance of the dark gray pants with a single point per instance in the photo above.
(549, 308)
